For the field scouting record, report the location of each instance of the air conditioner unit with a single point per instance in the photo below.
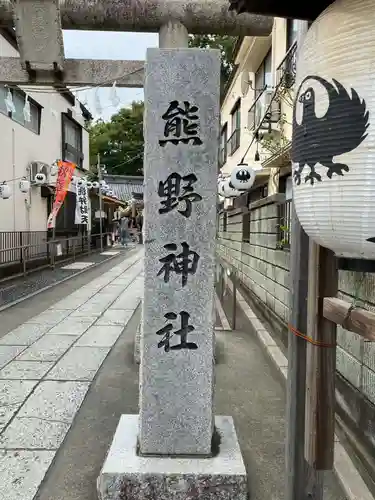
(39, 167)
(272, 105)
(267, 110)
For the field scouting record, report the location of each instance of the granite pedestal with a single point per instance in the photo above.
(128, 476)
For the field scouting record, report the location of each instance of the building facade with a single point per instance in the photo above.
(256, 112)
(254, 229)
(56, 130)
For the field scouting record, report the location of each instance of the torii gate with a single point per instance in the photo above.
(39, 23)
(181, 129)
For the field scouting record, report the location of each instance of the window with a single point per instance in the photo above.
(18, 97)
(263, 78)
(234, 140)
(223, 145)
(71, 141)
(236, 116)
(246, 227)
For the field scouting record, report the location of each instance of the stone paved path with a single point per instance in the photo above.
(46, 368)
(18, 288)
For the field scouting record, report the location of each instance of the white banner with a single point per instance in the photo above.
(82, 205)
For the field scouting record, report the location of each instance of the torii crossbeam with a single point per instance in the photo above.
(39, 24)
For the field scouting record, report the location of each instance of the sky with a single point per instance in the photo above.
(108, 45)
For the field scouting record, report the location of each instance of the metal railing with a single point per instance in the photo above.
(234, 141)
(283, 227)
(286, 71)
(25, 251)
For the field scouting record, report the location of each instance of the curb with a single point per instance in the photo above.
(48, 287)
(347, 474)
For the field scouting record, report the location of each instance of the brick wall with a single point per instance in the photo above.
(264, 271)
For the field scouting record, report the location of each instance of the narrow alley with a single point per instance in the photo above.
(68, 374)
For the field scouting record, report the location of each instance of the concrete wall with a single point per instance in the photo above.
(264, 271)
(19, 146)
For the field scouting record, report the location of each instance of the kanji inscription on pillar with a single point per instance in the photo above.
(181, 129)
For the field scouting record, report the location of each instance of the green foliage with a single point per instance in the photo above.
(119, 141)
(224, 43)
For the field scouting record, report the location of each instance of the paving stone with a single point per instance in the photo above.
(89, 310)
(55, 401)
(79, 363)
(32, 432)
(121, 281)
(8, 352)
(126, 301)
(12, 395)
(102, 299)
(47, 348)
(25, 370)
(22, 472)
(69, 304)
(72, 326)
(25, 334)
(115, 317)
(113, 289)
(78, 265)
(100, 336)
(49, 317)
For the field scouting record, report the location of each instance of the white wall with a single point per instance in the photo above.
(251, 54)
(20, 146)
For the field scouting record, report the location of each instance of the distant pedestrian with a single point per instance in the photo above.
(124, 231)
(139, 221)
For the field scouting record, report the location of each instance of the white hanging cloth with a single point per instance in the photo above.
(26, 109)
(9, 102)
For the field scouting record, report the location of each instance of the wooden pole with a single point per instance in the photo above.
(321, 355)
(296, 383)
(354, 319)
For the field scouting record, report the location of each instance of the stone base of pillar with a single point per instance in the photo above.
(127, 475)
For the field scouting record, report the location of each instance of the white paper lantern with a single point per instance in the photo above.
(80, 182)
(40, 179)
(95, 185)
(5, 191)
(226, 190)
(24, 186)
(242, 177)
(89, 184)
(53, 170)
(333, 149)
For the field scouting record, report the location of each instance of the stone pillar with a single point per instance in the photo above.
(173, 35)
(181, 130)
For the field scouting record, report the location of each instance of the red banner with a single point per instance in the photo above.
(64, 177)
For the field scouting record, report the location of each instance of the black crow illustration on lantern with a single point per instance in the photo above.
(242, 177)
(333, 145)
